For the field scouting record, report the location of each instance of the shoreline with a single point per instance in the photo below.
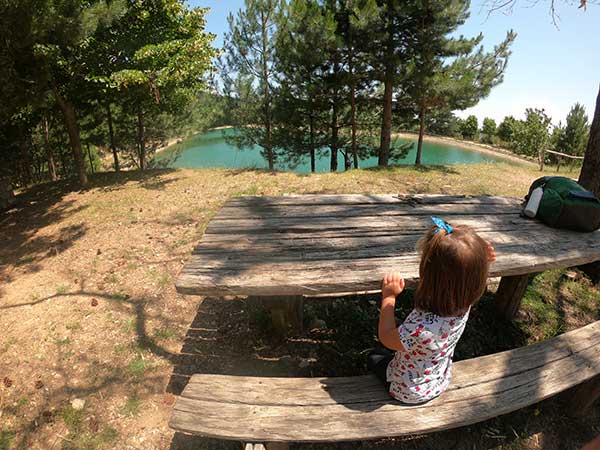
(468, 145)
(177, 140)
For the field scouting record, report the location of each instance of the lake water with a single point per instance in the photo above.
(210, 149)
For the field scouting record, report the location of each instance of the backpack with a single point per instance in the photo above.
(566, 204)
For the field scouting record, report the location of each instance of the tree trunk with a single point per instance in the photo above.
(49, 154)
(334, 138)
(73, 129)
(542, 158)
(590, 171)
(421, 132)
(141, 140)
(26, 174)
(267, 93)
(334, 116)
(386, 125)
(89, 152)
(312, 145)
(111, 136)
(590, 177)
(352, 99)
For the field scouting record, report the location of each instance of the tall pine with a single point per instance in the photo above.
(249, 72)
(448, 72)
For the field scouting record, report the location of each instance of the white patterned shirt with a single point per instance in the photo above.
(424, 370)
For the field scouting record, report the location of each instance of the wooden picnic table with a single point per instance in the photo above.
(279, 249)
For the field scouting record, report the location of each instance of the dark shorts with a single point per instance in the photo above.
(377, 362)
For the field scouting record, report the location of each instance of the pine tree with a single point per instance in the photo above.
(576, 130)
(301, 105)
(447, 71)
(488, 130)
(249, 72)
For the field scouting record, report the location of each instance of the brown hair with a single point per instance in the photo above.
(453, 271)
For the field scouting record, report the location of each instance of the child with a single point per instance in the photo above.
(453, 275)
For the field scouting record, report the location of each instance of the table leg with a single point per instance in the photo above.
(509, 295)
(286, 312)
(584, 397)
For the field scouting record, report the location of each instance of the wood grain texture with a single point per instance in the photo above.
(358, 408)
(324, 244)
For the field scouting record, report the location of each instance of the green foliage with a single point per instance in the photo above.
(137, 367)
(488, 130)
(144, 62)
(6, 437)
(533, 135)
(469, 127)
(249, 73)
(574, 137)
(132, 406)
(508, 129)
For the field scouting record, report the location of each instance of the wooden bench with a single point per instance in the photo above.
(282, 410)
(279, 249)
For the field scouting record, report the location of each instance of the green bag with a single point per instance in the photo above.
(566, 204)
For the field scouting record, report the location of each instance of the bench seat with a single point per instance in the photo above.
(263, 409)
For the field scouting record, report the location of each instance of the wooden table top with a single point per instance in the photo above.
(326, 244)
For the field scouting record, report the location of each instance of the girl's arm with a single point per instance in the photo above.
(392, 285)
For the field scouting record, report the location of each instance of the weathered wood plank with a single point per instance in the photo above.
(406, 221)
(305, 255)
(360, 389)
(358, 247)
(353, 199)
(339, 276)
(483, 388)
(341, 211)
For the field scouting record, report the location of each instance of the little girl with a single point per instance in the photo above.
(453, 275)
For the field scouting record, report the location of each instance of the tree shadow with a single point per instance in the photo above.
(151, 179)
(23, 248)
(447, 170)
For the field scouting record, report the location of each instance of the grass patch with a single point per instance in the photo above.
(10, 341)
(137, 367)
(161, 278)
(119, 297)
(120, 349)
(129, 326)
(6, 437)
(554, 302)
(83, 435)
(62, 342)
(62, 289)
(541, 307)
(73, 326)
(164, 333)
(131, 407)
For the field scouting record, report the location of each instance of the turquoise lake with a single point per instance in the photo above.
(210, 149)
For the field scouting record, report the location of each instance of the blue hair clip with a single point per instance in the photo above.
(441, 224)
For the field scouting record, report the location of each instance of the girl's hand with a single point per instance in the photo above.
(491, 253)
(392, 285)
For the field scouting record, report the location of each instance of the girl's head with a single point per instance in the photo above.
(453, 271)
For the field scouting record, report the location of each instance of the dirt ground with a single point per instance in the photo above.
(96, 343)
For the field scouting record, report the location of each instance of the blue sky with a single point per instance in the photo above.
(550, 68)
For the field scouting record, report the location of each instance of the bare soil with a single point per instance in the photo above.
(88, 311)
